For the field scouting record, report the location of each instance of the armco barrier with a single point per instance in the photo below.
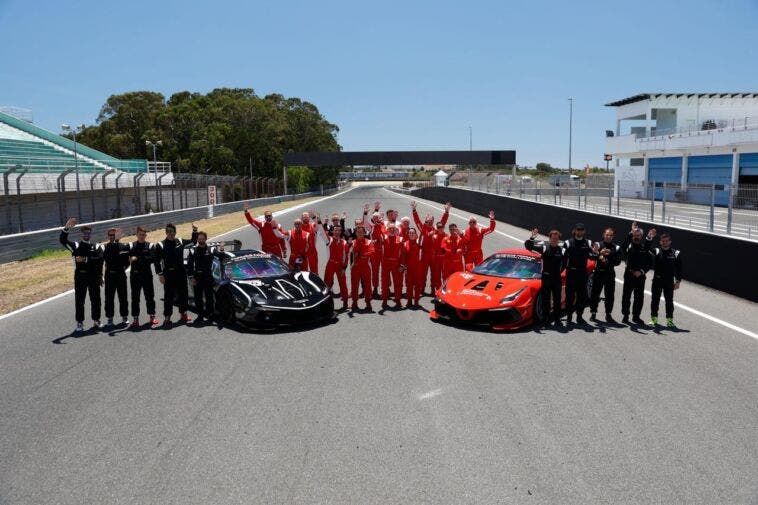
(723, 263)
(23, 245)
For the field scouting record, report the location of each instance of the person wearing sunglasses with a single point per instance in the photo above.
(88, 272)
(474, 236)
(116, 259)
(270, 243)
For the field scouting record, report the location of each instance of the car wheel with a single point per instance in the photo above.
(537, 314)
(225, 307)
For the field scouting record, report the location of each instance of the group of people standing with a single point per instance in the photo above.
(97, 265)
(380, 249)
(637, 252)
(387, 258)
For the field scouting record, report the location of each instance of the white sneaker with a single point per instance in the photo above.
(79, 328)
(96, 324)
(110, 321)
(124, 320)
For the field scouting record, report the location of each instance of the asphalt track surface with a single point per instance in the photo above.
(382, 408)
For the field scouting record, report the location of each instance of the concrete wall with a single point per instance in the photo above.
(718, 262)
(23, 245)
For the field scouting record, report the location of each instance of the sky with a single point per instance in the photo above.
(411, 75)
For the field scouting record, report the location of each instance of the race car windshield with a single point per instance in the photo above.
(254, 268)
(507, 266)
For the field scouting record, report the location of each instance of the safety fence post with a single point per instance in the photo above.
(663, 204)
(8, 198)
(729, 209)
(713, 204)
(651, 188)
(118, 196)
(19, 206)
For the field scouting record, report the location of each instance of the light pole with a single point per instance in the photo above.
(470, 148)
(74, 130)
(571, 124)
(155, 145)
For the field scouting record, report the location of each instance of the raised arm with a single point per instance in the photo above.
(64, 235)
(250, 218)
(487, 231)
(446, 214)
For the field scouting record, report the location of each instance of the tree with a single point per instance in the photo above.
(222, 132)
(544, 168)
(299, 178)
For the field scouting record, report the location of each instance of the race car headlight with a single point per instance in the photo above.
(512, 296)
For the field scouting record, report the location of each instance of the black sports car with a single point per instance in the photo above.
(258, 289)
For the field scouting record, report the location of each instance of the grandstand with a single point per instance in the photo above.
(36, 150)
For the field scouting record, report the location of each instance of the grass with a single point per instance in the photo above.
(50, 272)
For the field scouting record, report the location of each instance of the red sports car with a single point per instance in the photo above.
(502, 292)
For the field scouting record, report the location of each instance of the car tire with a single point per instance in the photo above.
(537, 314)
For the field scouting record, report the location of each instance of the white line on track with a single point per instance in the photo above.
(278, 212)
(686, 308)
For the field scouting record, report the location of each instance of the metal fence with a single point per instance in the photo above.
(33, 201)
(20, 246)
(719, 208)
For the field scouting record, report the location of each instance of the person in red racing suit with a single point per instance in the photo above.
(453, 246)
(377, 231)
(412, 266)
(363, 250)
(309, 225)
(270, 243)
(392, 251)
(339, 251)
(473, 236)
(298, 239)
(427, 233)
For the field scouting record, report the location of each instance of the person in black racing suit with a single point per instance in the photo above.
(116, 259)
(578, 250)
(604, 276)
(88, 272)
(169, 265)
(667, 276)
(553, 263)
(141, 257)
(638, 262)
(199, 269)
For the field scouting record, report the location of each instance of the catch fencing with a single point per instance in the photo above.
(724, 209)
(34, 201)
(24, 245)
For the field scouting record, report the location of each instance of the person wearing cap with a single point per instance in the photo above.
(270, 243)
(88, 272)
(116, 259)
(578, 250)
(169, 265)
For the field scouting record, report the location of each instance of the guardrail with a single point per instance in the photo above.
(24, 245)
